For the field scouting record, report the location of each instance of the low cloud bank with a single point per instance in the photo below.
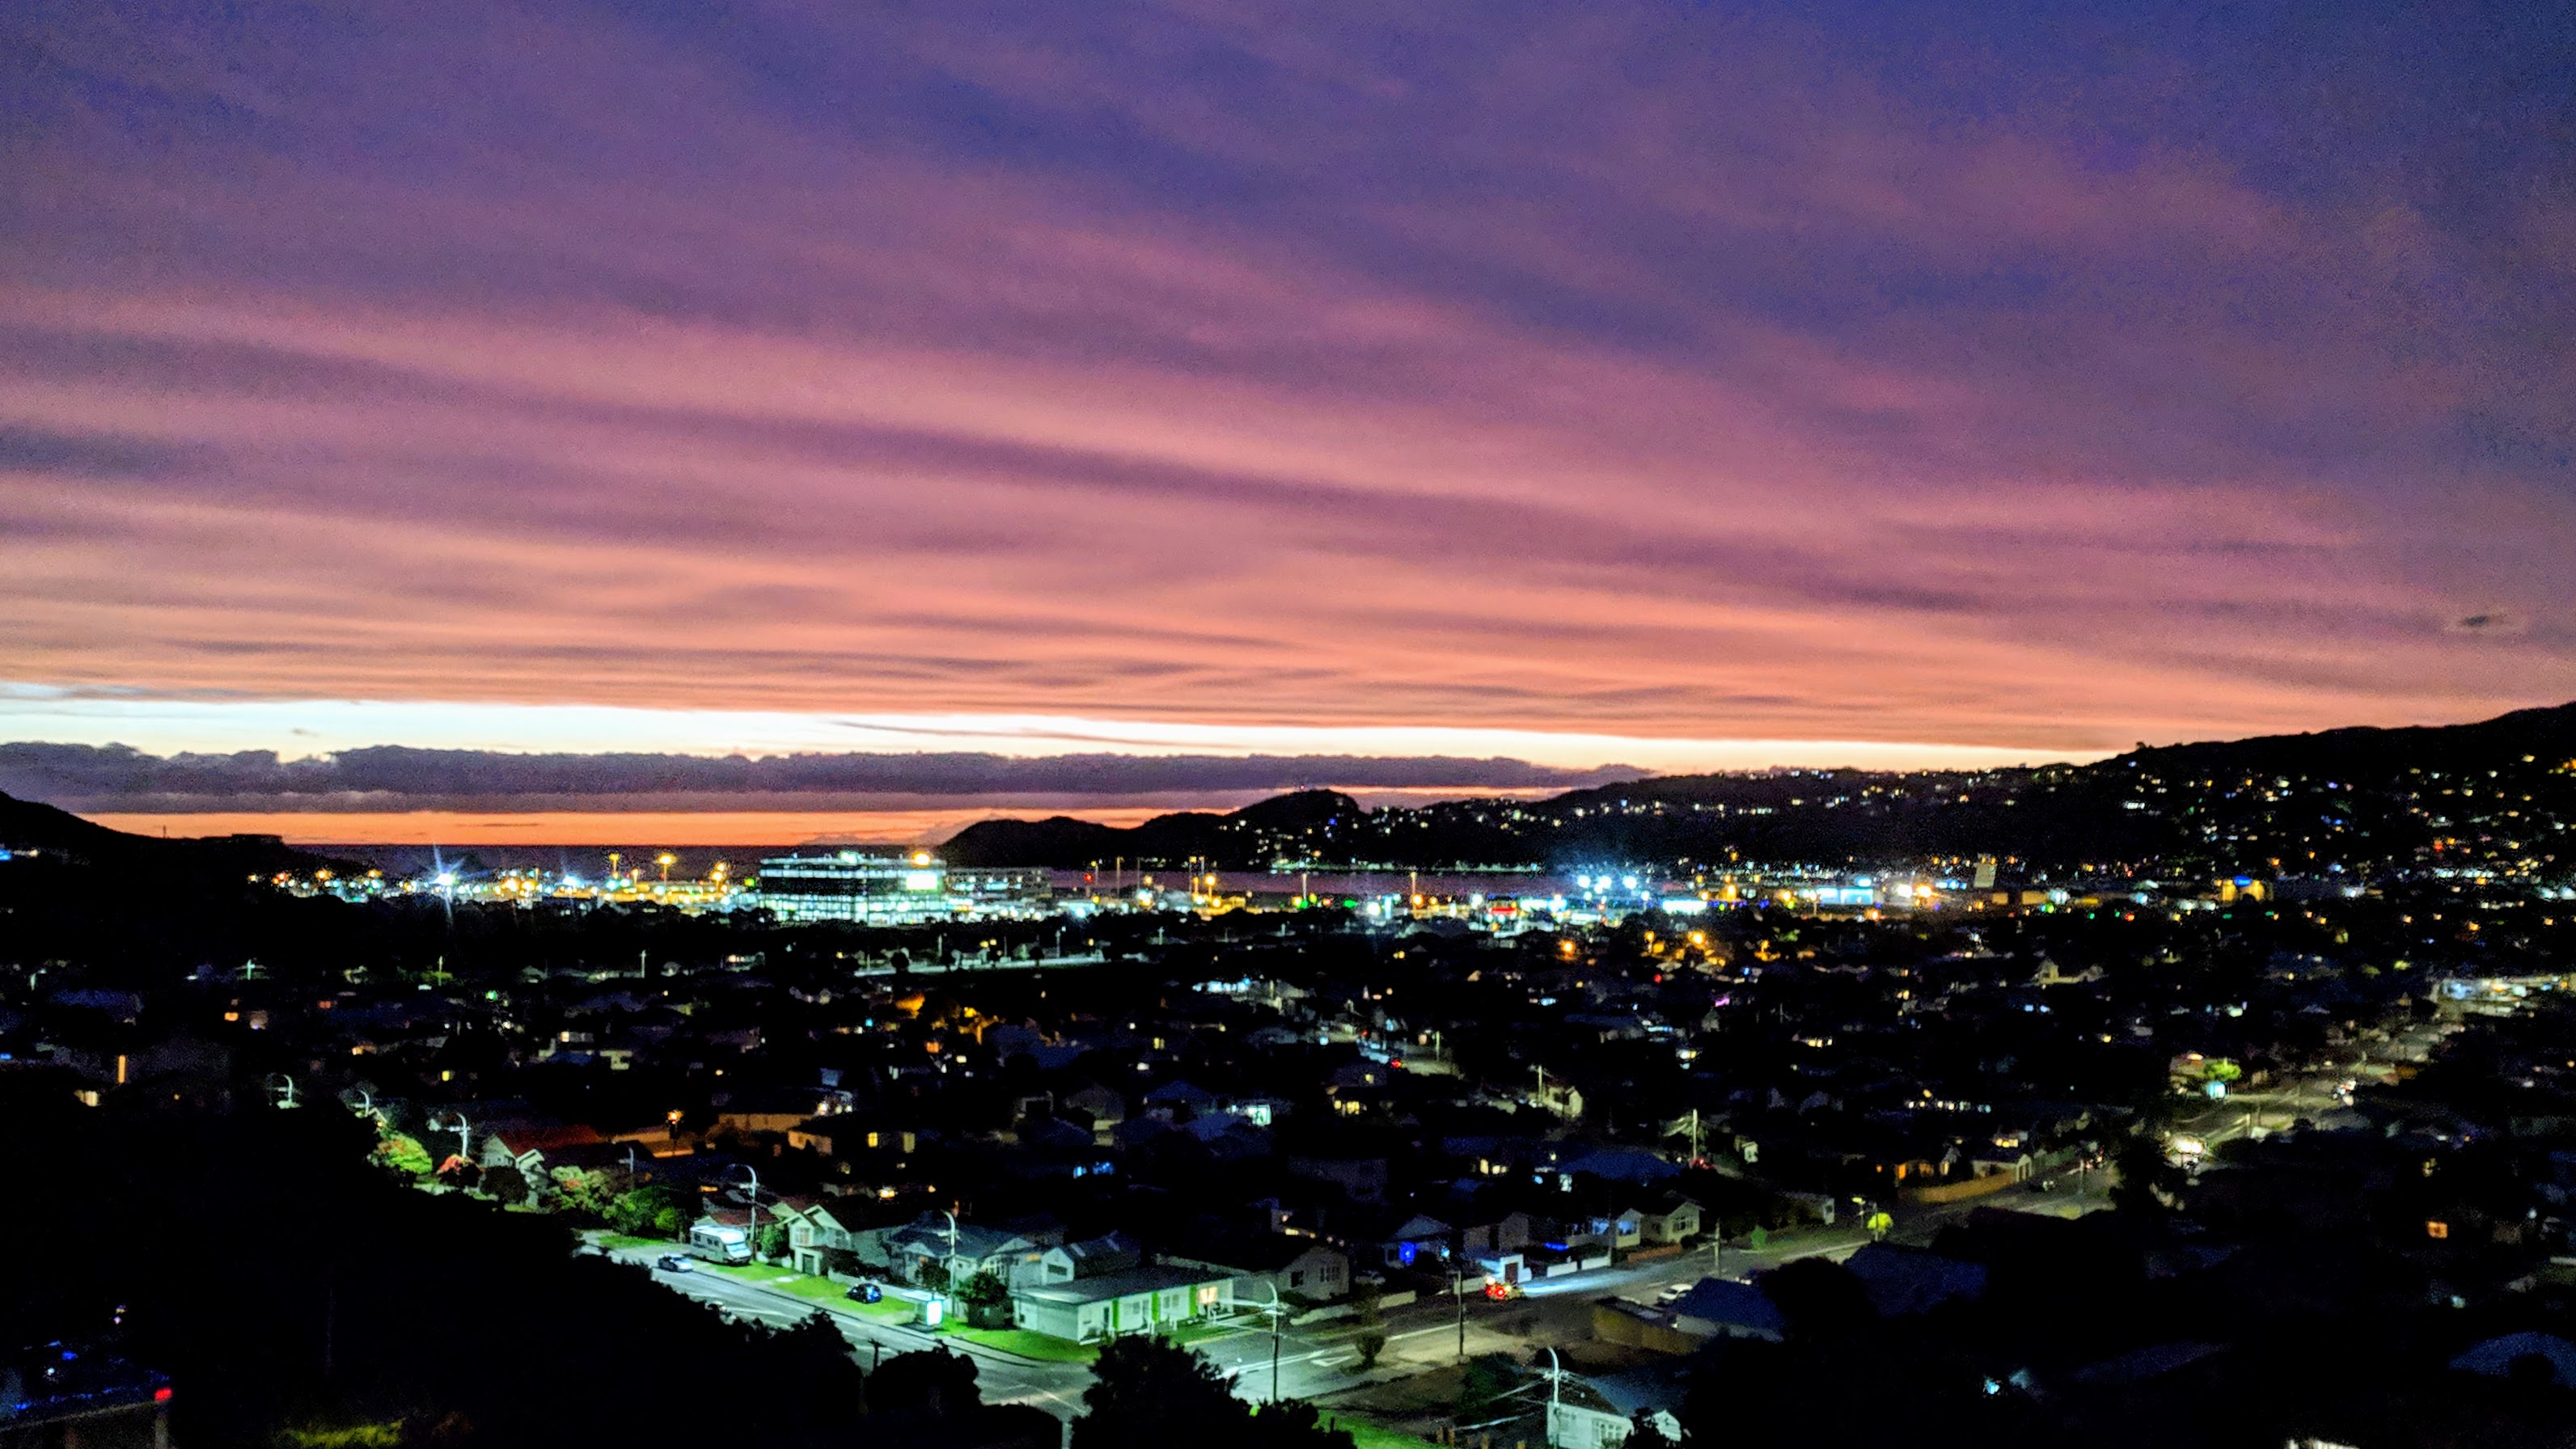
(396, 777)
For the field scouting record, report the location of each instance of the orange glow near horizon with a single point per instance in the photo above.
(675, 827)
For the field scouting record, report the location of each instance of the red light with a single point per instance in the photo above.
(161, 1395)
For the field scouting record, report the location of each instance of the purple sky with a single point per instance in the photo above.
(2030, 380)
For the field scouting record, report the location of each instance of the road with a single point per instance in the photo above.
(2308, 1094)
(1003, 1378)
(1322, 1359)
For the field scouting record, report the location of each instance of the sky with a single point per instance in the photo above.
(1572, 385)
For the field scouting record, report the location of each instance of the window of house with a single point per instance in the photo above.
(1297, 1278)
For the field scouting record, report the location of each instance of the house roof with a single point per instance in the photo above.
(1105, 1286)
(1642, 1390)
(2140, 1364)
(1623, 1164)
(1255, 1252)
(1095, 1257)
(929, 1233)
(544, 1136)
(1900, 1281)
(1731, 1304)
(2497, 1356)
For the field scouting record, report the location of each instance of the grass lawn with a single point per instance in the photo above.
(1189, 1333)
(618, 1241)
(1030, 1345)
(1365, 1435)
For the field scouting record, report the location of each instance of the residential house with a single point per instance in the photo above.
(1138, 1300)
(1509, 1233)
(523, 1145)
(1671, 1218)
(1361, 1179)
(1179, 1101)
(1257, 1266)
(1601, 1412)
(1091, 1258)
(1723, 1308)
(1418, 1238)
(968, 1247)
(820, 1240)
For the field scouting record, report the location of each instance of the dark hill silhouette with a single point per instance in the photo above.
(2354, 797)
(26, 825)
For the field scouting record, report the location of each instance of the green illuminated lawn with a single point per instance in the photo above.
(1020, 1341)
(1365, 1435)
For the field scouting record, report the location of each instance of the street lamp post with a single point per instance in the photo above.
(285, 1098)
(751, 1233)
(948, 1294)
(464, 1139)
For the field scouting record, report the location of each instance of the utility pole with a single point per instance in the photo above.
(1555, 1379)
(1458, 1292)
(1274, 1311)
(751, 1233)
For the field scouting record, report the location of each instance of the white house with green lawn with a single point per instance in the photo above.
(1112, 1305)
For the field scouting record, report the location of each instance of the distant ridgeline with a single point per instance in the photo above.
(28, 827)
(2499, 794)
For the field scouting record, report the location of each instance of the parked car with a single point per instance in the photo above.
(674, 1263)
(865, 1293)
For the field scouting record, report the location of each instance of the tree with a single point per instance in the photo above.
(1484, 1383)
(773, 1240)
(1152, 1391)
(507, 1185)
(1645, 1433)
(814, 1357)
(2146, 1180)
(1819, 1297)
(647, 1212)
(1370, 1344)
(987, 1300)
(931, 1384)
(405, 1154)
(583, 1192)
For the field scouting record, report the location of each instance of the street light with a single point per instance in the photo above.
(464, 1138)
(751, 1233)
(948, 1293)
(287, 1097)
